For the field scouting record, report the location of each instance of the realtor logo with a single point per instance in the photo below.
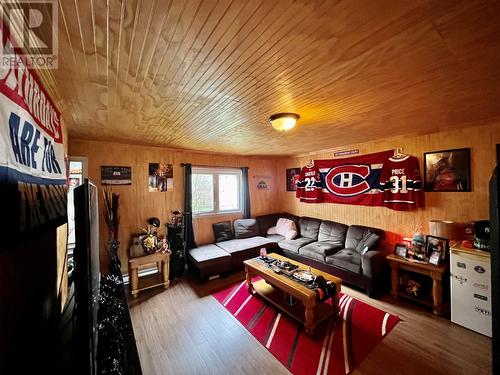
(32, 26)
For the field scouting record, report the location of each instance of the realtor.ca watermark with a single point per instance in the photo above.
(31, 26)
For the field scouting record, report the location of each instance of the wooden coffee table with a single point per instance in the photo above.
(274, 286)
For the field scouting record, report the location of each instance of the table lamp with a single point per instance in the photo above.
(450, 230)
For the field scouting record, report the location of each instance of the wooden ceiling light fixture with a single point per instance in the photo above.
(283, 121)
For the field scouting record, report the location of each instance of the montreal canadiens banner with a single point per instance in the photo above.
(32, 166)
(353, 180)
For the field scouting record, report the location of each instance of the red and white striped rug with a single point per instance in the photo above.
(335, 348)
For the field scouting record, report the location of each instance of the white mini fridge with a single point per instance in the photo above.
(471, 289)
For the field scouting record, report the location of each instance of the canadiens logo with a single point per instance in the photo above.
(348, 180)
(479, 269)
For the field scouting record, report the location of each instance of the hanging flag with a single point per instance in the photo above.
(32, 164)
(354, 180)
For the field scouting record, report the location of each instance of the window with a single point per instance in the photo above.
(216, 190)
(77, 173)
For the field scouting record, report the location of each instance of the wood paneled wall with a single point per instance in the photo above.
(457, 206)
(137, 204)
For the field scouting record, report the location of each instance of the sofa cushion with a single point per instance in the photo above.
(294, 245)
(275, 237)
(332, 231)
(237, 245)
(223, 231)
(207, 255)
(367, 243)
(245, 228)
(313, 251)
(348, 259)
(246, 248)
(309, 227)
(323, 248)
(359, 236)
(209, 260)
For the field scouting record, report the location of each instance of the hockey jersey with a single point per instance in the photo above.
(400, 183)
(309, 185)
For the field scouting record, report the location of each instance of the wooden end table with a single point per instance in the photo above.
(273, 286)
(435, 272)
(162, 261)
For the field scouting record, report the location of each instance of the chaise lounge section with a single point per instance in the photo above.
(228, 253)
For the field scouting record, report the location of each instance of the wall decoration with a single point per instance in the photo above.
(263, 185)
(111, 175)
(33, 177)
(292, 177)
(161, 177)
(263, 182)
(378, 179)
(346, 152)
(447, 170)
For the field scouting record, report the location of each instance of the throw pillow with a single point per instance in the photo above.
(245, 228)
(222, 231)
(291, 235)
(272, 230)
(287, 228)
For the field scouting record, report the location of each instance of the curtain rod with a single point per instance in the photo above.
(211, 166)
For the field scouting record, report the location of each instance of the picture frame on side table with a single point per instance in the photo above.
(435, 258)
(447, 170)
(400, 250)
(436, 244)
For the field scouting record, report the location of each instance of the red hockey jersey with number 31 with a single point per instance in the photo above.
(309, 185)
(400, 183)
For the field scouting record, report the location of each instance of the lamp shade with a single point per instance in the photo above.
(450, 230)
(283, 121)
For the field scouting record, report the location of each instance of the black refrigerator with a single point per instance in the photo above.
(495, 265)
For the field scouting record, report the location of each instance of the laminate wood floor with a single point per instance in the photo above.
(183, 330)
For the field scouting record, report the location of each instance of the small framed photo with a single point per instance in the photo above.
(400, 250)
(292, 177)
(435, 258)
(436, 244)
(447, 170)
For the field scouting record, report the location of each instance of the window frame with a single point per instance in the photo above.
(215, 172)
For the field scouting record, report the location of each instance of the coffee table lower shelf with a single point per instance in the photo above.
(296, 311)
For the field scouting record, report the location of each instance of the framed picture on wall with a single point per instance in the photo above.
(447, 170)
(292, 176)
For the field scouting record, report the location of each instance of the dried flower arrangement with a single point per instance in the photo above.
(111, 204)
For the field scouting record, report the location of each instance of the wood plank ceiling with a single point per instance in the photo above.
(206, 74)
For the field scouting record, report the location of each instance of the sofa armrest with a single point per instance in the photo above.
(373, 262)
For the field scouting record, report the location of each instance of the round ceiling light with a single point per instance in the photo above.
(283, 121)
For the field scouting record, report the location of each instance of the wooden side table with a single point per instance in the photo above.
(162, 261)
(434, 272)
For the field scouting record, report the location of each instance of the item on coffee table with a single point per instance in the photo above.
(304, 276)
